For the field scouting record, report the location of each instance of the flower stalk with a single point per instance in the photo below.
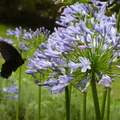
(19, 95)
(39, 100)
(103, 103)
(67, 103)
(95, 96)
(84, 106)
(108, 103)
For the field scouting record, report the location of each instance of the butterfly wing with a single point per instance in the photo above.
(7, 68)
(12, 59)
(8, 51)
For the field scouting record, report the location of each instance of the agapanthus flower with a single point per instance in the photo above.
(10, 89)
(6, 40)
(73, 66)
(23, 46)
(58, 88)
(105, 80)
(86, 42)
(85, 64)
(82, 47)
(17, 32)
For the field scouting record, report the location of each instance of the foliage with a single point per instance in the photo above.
(29, 13)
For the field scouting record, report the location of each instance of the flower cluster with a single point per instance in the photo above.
(86, 42)
(11, 90)
(27, 39)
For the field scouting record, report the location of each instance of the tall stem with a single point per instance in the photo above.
(118, 20)
(84, 106)
(108, 103)
(103, 103)
(39, 100)
(19, 95)
(95, 97)
(67, 98)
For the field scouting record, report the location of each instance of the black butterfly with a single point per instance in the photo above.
(12, 59)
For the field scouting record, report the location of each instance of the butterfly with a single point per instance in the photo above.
(12, 59)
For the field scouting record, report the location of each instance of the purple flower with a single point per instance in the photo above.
(40, 64)
(81, 47)
(85, 64)
(31, 71)
(84, 28)
(65, 53)
(52, 53)
(23, 46)
(10, 89)
(81, 8)
(73, 66)
(6, 40)
(10, 32)
(65, 79)
(58, 88)
(52, 82)
(18, 32)
(27, 36)
(105, 81)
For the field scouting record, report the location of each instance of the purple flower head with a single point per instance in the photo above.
(65, 54)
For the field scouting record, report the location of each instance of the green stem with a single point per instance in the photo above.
(95, 97)
(67, 103)
(103, 103)
(108, 103)
(19, 95)
(84, 106)
(39, 100)
(39, 104)
(118, 20)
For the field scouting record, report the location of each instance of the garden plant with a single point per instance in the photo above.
(80, 57)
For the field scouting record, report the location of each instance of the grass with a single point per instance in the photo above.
(53, 106)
